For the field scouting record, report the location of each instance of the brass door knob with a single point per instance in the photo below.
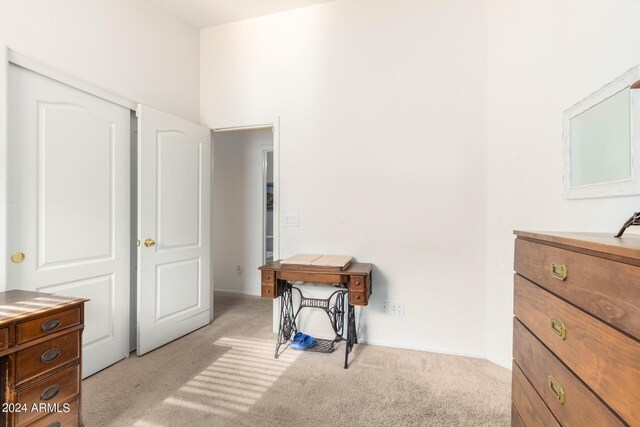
(149, 242)
(18, 257)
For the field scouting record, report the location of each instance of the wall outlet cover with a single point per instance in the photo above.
(290, 219)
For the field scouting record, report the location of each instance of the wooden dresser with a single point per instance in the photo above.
(40, 359)
(576, 338)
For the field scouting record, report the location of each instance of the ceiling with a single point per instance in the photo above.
(206, 13)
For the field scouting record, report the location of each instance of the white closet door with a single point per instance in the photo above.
(68, 194)
(174, 171)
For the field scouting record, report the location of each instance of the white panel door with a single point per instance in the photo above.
(68, 194)
(174, 172)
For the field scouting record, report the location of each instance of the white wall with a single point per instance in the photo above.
(132, 48)
(543, 56)
(237, 209)
(381, 108)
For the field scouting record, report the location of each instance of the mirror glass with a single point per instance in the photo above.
(601, 142)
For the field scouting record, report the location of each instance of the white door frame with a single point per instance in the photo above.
(264, 150)
(8, 56)
(247, 124)
(261, 123)
(4, 71)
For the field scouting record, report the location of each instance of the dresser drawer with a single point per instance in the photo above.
(607, 289)
(516, 421)
(4, 339)
(571, 403)
(71, 418)
(602, 357)
(530, 409)
(56, 389)
(45, 325)
(46, 356)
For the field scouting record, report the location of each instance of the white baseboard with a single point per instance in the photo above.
(423, 348)
(231, 291)
(500, 363)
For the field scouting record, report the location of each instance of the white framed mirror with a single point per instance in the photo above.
(601, 141)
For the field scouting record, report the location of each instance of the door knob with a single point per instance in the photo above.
(18, 257)
(149, 242)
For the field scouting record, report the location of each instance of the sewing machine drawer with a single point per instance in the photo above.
(268, 277)
(358, 298)
(358, 283)
(47, 356)
(56, 389)
(562, 392)
(42, 326)
(604, 288)
(269, 291)
(359, 290)
(313, 277)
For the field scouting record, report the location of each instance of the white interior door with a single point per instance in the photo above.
(68, 205)
(174, 170)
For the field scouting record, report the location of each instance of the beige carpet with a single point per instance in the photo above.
(225, 375)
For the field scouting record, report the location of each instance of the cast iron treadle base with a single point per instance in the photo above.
(323, 346)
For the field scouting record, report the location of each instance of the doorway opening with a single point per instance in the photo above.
(244, 208)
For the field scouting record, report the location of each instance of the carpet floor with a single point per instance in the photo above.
(225, 375)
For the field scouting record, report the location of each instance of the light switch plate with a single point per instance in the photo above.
(290, 219)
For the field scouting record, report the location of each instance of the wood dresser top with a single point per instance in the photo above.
(628, 246)
(15, 304)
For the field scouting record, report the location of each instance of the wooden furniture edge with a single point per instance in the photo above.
(584, 243)
(354, 269)
(41, 311)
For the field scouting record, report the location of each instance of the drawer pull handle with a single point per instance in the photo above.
(50, 355)
(558, 328)
(556, 389)
(50, 392)
(50, 325)
(54, 424)
(559, 271)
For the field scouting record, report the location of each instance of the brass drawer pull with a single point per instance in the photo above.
(559, 271)
(556, 388)
(54, 424)
(558, 328)
(50, 325)
(50, 392)
(50, 355)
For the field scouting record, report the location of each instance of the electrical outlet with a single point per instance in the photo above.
(290, 219)
(396, 308)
